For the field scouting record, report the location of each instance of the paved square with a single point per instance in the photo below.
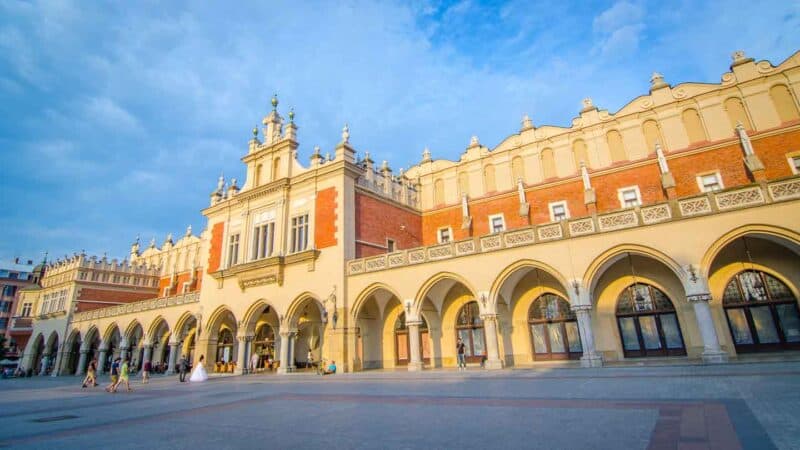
(676, 407)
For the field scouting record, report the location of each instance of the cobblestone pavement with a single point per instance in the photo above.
(677, 407)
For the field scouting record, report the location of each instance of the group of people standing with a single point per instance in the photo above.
(120, 373)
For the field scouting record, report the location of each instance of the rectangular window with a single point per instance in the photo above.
(13, 275)
(3, 323)
(497, 223)
(185, 288)
(710, 182)
(5, 306)
(166, 292)
(9, 290)
(263, 240)
(26, 310)
(444, 235)
(299, 233)
(390, 245)
(558, 211)
(82, 275)
(233, 249)
(62, 300)
(794, 163)
(95, 275)
(629, 197)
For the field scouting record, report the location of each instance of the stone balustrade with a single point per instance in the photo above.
(708, 203)
(142, 305)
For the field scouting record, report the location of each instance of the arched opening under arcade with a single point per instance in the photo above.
(72, 354)
(50, 354)
(753, 278)
(263, 324)
(111, 345)
(221, 345)
(134, 351)
(307, 321)
(376, 310)
(159, 337)
(37, 352)
(449, 306)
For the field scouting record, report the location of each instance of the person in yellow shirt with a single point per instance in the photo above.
(124, 375)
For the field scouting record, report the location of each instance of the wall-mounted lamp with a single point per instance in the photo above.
(577, 287)
(483, 299)
(408, 306)
(335, 318)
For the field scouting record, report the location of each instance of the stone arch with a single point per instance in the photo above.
(90, 335)
(515, 270)
(784, 102)
(779, 235)
(614, 254)
(489, 180)
(185, 319)
(431, 283)
(693, 125)
(580, 153)
(463, 183)
(253, 312)
(155, 324)
(737, 113)
(367, 293)
(548, 164)
(71, 352)
(308, 318)
(438, 192)
(37, 350)
(217, 316)
(110, 331)
(616, 146)
(652, 136)
(517, 169)
(301, 301)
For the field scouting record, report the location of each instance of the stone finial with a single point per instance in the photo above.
(662, 160)
(426, 154)
(316, 150)
(739, 57)
(385, 166)
(255, 132)
(527, 123)
(473, 141)
(169, 238)
(274, 101)
(367, 159)
(657, 81)
(587, 183)
(291, 115)
(189, 230)
(153, 242)
(588, 105)
(220, 182)
(328, 156)
(345, 134)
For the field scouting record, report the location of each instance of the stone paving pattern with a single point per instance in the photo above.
(733, 406)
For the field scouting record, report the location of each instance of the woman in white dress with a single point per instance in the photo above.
(199, 373)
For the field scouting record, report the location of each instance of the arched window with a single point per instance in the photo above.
(259, 169)
(693, 126)
(438, 192)
(276, 168)
(469, 327)
(647, 323)
(736, 113)
(784, 103)
(463, 183)
(225, 346)
(652, 135)
(580, 153)
(616, 147)
(548, 164)
(554, 329)
(488, 178)
(762, 313)
(517, 169)
(403, 342)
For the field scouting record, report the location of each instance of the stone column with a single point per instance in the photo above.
(712, 352)
(82, 362)
(590, 357)
(493, 361)
(101, 361)
(241, 355)
(45, 363)
(415, 350)
(292, 346)
(284, 352)
(57, 366)
(148, 354)
(174, 349)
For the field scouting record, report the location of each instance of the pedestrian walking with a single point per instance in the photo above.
(460, 351)
(254, 363)
(183, 367)
(146, 371)
(91, 374)
(124, 374)
(114, 375)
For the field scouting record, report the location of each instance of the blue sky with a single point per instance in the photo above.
(117, 118)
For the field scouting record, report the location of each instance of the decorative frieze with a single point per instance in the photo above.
(375, 263)
(356, 266)
(397, 259)
(785, 190)
(616, 221)
(581, 226)
(492, 242)
(416, 256)
(465, 247)
(520, 237)
(739, 198)
(655, 214)
(140, 306)
(695, 206)
(550, 232)
(440, 252)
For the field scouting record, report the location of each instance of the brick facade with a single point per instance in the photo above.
(215, 252)
(378, 220)
(325, 218)
(92, 298)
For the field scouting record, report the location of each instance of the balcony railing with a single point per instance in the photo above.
(142, 305)
(21, 324)
(704, 204)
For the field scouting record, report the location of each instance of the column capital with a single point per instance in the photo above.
(84, 351)
(413, 323)
(577, 308)
(489, 316)
(701, 297)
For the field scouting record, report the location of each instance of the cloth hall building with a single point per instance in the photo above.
(668, 229)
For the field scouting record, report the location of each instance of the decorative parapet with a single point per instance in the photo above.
(695, 206)
(134, 307)
(739, 198)
(785, 190)
(750, 196)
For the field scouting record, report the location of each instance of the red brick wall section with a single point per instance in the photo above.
(325, 218)
(772, 152)
(215, 252)
(181, 278)
(647, 178)
(107, 296)
(540, 200)
(450, 217)
(729, 160)
(378, 220)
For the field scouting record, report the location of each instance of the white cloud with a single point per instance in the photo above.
(620, 28)
(106, 112)
(621, 14)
